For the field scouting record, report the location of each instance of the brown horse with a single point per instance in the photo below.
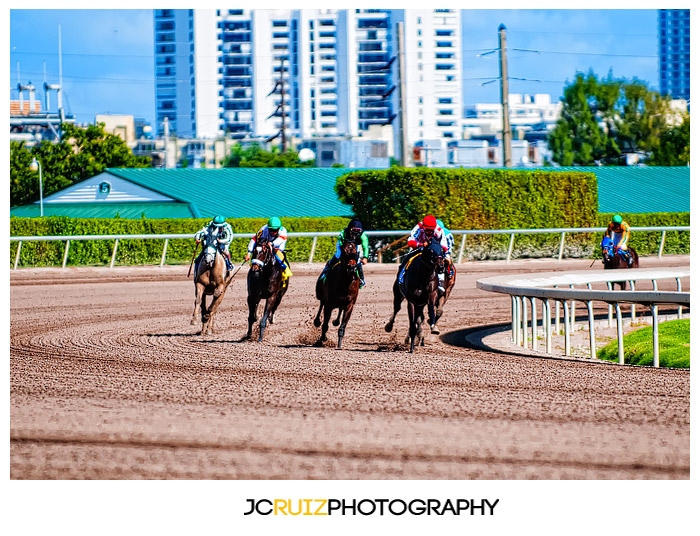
(210, 279)
(614, 261)
(440, 298)
(419, 285)
(264, 283)
(338, 290)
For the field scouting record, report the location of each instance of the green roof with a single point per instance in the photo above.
(640, 189)
(247, 192)
(106, 210)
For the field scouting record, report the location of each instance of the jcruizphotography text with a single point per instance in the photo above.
(368, 507)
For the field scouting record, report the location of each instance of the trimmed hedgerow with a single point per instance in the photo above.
(134, 251)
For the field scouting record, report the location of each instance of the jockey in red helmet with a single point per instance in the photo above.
(423, 233)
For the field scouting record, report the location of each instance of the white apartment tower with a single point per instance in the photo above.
(433, 59)
(223, 72)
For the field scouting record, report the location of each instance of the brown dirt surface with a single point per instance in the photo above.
(108, 380)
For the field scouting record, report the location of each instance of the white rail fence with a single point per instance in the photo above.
(546, 287)
(315, 235)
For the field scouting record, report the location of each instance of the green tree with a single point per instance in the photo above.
(602, 120)
(673, 147)
(255, 156)
(82, 153)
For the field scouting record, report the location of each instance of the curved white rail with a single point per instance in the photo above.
(546, 287)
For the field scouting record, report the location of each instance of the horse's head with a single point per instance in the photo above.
(261, 256)
(210, 245)
(348, 255)
(607, 249)
(434, 255)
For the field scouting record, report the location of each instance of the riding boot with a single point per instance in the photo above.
(630, 261)
(229, 263)
(441, 284)
(361, 274)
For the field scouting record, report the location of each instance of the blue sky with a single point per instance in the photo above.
(107, 55)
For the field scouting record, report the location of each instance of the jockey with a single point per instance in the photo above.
(422, 234)
(276, 235)
(224, 234)
(450, 243)
(618, 232)
(354, 233)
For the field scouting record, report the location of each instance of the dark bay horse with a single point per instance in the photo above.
(419, 285)
(210, 279)
(264, 283)
(338, 290)
(614, 261)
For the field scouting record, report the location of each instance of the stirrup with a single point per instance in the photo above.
(362, 283)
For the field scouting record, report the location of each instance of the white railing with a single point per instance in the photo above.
(315, 235)
(530, 287)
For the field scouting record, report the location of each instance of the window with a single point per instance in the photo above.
(445, 100)
(279, 23)
(444, 44)
(378, 150)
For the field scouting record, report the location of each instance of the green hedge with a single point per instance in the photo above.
(130, 252)
(398, 198)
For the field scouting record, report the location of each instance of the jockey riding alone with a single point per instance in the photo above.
(423, 233)
(353, 233)
(224, 234)
(618, 233)
(276, 235)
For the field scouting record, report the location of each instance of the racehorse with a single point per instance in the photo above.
(419, 285)
(210, 279)
(613, 261)
(338, 290)
(441, 298)
(264, 283)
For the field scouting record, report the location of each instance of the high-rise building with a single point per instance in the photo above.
(433, 59)
(674, 53)
(319, 72)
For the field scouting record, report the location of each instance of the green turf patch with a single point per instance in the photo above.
(674, 346)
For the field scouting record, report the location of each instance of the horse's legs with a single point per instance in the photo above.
(337, 320)
(347, 312)
(252, 315)
(327, 311)
(270, 306)
(198, 293)
(420, 318)
(398, 298)
(317, 320)
(432, 316)
(273, 309)
(215, 302)
(411, 324)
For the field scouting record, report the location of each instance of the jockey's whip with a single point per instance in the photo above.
(194, 254)
(234, 273)
(402, 256)
(593, 262)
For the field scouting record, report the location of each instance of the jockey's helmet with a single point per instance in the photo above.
(617, 219)
(355, 228)
(218, 221)
(274, 224)
(429, 222)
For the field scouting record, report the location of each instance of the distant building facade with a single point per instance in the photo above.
(249, 74)
(674, 53)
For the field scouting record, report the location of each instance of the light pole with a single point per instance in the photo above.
(34, 166)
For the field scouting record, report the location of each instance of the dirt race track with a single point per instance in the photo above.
(108, 380)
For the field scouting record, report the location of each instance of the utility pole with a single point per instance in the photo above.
(284, 135)
(166, 136)
(403, 112)
(507, 135)
(280, 108)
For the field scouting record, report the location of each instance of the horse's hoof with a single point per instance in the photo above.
(434, 330)
(318, 343)
(406, 340)
(388, 328)
(271, 320)
(317, 323)
(193, 322)
(336, 322)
